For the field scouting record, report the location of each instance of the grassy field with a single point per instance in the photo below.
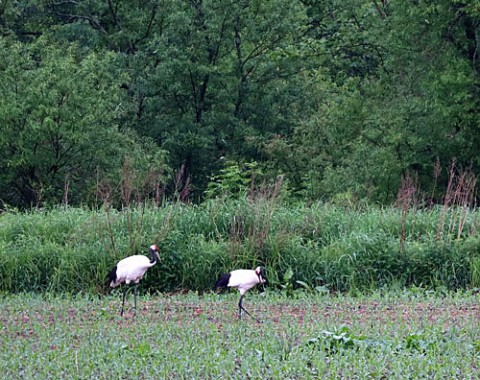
(404, 335)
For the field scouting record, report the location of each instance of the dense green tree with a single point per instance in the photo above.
(206, 79)
(417, 105)
(220, 79)
(343, 98)
(59, 119)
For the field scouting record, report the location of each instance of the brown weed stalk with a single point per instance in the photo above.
(460, 196)
(182, 184)
(406, 197)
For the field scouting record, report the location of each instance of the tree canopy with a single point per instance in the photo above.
(120, 100)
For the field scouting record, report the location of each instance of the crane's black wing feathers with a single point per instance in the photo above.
(222, 281)
(112, 275)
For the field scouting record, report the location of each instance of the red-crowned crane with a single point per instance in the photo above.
(243, 280)
(132, 269)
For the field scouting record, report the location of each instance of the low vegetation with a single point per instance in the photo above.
(410, 334)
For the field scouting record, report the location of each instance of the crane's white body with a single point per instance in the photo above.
(131, 269)
(244, 280)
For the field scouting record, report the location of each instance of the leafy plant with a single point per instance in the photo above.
(232, 181)
(420, 342)
(339, 339)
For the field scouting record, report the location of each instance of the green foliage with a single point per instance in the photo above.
(287, 284)
(60, 125)
(232, 181)
(340, 99)
(339, 339)
(419, 342)
(317, 249)
(391, 105)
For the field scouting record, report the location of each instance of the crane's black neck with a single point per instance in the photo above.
(261, 275)
(154, 257)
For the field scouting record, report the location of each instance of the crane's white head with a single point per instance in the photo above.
(260, 271)
(154, 251)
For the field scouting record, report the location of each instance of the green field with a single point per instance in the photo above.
(410, 334)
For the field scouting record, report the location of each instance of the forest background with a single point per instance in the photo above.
(170, 99)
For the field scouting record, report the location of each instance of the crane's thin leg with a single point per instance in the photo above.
(135, 297)
(240, 308)
(125, 288)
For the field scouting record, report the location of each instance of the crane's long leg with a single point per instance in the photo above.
(135, 298)
(240, 308)
(125, 288)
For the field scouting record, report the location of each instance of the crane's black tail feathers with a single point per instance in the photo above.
(112, 275)
(222, 281)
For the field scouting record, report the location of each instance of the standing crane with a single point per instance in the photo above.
(132, 269)
(243, 280)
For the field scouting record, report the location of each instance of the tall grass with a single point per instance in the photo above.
(323, 245)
